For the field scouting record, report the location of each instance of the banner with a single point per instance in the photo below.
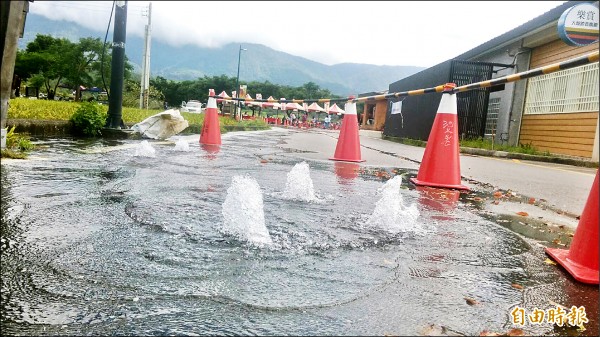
(243, 89)
(396, 107)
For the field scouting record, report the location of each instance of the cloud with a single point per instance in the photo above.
(411, 33)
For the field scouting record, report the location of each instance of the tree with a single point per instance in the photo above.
(44, 61)
(82, 57)
(53, 62)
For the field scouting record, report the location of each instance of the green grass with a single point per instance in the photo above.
(24, 108)
(485, 144)
(7, 153)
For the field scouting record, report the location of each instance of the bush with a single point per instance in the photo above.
(16, 145)
(89, 119)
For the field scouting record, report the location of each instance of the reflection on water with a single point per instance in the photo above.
(97, 240)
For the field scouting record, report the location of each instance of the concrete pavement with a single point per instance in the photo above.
(560, 191)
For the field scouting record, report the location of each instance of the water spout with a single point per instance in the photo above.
(243, 213)
(182, 145)
(145, 149)
(391, 214)
(299, 185)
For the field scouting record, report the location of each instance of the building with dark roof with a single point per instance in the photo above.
(556, 112)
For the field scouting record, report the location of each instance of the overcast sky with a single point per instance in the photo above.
(407, 33)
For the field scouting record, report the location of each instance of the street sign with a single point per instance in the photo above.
(578, 25)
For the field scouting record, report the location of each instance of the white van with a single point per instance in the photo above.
(192, 106)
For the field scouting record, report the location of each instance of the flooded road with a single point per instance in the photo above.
(103, 238)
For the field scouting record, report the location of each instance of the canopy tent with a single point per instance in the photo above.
(334, 109)
(272, 103)
(314, 107)
(293, 106)
(252, 103)
(224, 97)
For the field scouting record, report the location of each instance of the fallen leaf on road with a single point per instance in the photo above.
(511, 332)
(523, 213)
(515, 332)
(264, 161)
(532, 201)
(498, 194)
(517, 286)
(471, 301)
(548, 261)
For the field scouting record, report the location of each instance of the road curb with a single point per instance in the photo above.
(573, 161)
(524, 156)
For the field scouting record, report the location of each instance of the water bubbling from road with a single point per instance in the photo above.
(144, 149)
(391, 214)
(182, 145)
(98, 241)
(243, 214)
(299, 185)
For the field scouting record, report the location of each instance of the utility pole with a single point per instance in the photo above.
(115, 103)
(145, 84)
(12, 22)
(237, 85)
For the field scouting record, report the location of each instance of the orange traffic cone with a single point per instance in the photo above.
(211, 131)
(440, 166)
(581, 260)
(348, 145)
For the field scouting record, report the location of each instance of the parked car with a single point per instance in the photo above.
(192, 106)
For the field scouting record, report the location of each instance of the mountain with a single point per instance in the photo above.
(259, 63)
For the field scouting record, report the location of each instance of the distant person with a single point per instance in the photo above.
(51, 95)
(165, 105)
(327, 121)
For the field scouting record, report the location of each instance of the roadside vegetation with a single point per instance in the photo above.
(88, 118)
(61, 80)
(485, 144)
(17, 145)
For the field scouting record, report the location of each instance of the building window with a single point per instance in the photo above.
(492, 116)
(571, 90)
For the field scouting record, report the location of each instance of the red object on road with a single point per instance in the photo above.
(581, 260)
(440, 166)
(211, 131)
(348, 144)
